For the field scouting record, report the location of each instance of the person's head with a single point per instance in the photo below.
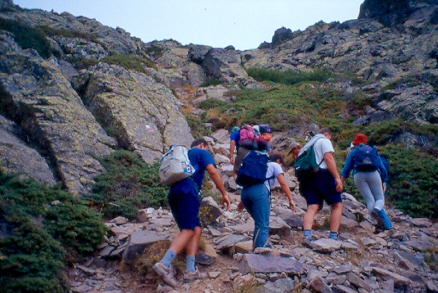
(265, 132)
(235, 129)
(278, 158)
(326, 132)
(262, 145)
(294, 148)
(358, 139)
(199, 143)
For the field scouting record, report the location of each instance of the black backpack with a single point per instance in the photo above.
(366, 158)
(253, 169)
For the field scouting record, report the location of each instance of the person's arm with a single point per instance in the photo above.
(286, 190)
(347, 167)
(215, 176)
(232, 148)
(331, 165)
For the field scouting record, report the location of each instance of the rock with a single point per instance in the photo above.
(318, 285)
(209, 211)
(258, 263)
(140, 240)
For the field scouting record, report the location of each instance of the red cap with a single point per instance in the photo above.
(359, 138)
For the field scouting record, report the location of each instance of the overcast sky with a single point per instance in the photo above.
(245, 24)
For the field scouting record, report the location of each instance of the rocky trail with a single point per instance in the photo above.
(403, 259)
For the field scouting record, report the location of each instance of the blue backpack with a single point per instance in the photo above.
(366, 158)
(253, 169)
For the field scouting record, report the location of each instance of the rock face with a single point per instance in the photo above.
(63, 111)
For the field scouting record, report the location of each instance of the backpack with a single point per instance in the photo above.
(306, 165)
(366, 158)
(175, 165)
(253, 169)
(248, 137)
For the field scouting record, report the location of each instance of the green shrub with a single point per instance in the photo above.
(129, 62)
(129, 184)
(40, 226)
(28, 37)
(211, 81)
(413, 181)
(197, 127)
(289, 77)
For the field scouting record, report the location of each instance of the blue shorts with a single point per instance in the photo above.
(320, 188)
(184, 203)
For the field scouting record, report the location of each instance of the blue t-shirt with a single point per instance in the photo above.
(200, 159)
(236, 137)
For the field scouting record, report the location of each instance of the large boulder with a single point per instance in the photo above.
(16, 157)
(143, 115)
(53, 117)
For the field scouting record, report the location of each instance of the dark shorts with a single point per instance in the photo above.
(240, 155)
(184, 203)
(321, 188)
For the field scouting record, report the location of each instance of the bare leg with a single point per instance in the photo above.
(335, 217)
(309, 216)
(193, 245)
(182, 240)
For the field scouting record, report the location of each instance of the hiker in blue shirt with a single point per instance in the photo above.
(184, 202)
(371, 183)
(234, 142)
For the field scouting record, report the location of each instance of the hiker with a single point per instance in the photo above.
(265, 135)
(234, 142)
(256, 198)
(244, 146)
(325, 185)
(369, 177)
(294, 150)
(184, 201)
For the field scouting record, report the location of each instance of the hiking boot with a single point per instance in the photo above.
(307, 241)
(263, 250)
(166, 273)
(196, 275)
(378, 219)
(387, 225)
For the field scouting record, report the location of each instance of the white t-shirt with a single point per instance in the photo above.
(274, 169)
(322, 146)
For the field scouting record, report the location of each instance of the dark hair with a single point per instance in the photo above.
(262, 145)
(275, 157)
(198, 141)
(325, 130)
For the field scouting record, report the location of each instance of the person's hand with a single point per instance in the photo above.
(232, 160)
(240, 206)
(225, 201)
(342, 179)
(384, 187)
(339, 185)
(292, 205)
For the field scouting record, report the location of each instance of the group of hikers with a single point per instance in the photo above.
(250, 152)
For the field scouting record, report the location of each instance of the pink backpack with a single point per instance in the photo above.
(248, 137)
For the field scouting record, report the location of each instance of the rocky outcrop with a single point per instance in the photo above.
(394, 13)
(74, 106)
(54, 118)
(143, 115)
(15, 155)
